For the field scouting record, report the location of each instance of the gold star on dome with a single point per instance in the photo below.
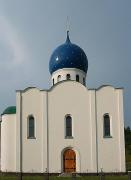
(57, 59)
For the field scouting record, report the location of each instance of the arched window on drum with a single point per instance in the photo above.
(77, 78)
(59, 78)
(68, 77)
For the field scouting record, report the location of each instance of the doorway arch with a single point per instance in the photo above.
(69, 161)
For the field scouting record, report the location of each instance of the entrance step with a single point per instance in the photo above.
(67, 175)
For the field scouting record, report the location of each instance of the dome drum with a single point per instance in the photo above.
(68, 74)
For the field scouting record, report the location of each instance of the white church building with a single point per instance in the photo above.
(68, 128)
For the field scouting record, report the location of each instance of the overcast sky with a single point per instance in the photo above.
(31, 29)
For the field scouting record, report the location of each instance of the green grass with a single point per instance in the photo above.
(128, 157)
(64, 178)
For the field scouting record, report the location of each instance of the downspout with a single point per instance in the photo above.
(47, 136)
(96, 132)
(0, 140)
(21, 154)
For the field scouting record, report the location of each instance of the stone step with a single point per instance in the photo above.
(67, 175)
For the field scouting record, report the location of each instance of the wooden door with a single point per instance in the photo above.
(69, 160)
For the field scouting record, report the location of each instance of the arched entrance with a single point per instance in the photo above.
(69, 161)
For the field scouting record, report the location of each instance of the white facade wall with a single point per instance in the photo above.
(34, 151)
(72, 98)
(8, 143)
(49, 108)
(18, 136)
(111, 151)
(72, 71)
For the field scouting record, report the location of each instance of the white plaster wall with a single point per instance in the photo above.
(34, 151)
(72, 71)
(70, 97)
(121, 130)
(18, 117)
(8, 143)
(110, 150)
(0, 143)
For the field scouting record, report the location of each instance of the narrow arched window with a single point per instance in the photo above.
(31, 127)
(84, 82)
(53, 81)
(107, 125)
(68, 77)
(58, 78)
(77, 78)
(68, 126)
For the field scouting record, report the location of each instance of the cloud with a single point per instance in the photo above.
(15, 49)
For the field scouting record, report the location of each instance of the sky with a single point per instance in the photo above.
(30, 30)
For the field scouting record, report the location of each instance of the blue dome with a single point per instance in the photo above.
(68, 55)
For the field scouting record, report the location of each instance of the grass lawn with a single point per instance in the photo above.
(63, 178)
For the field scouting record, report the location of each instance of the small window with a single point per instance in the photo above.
(58, 78)
(107, 126)
(53, 81)
(68, 127)
(31, 127)
(84, 81)
(77, 78)
(68, 77)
